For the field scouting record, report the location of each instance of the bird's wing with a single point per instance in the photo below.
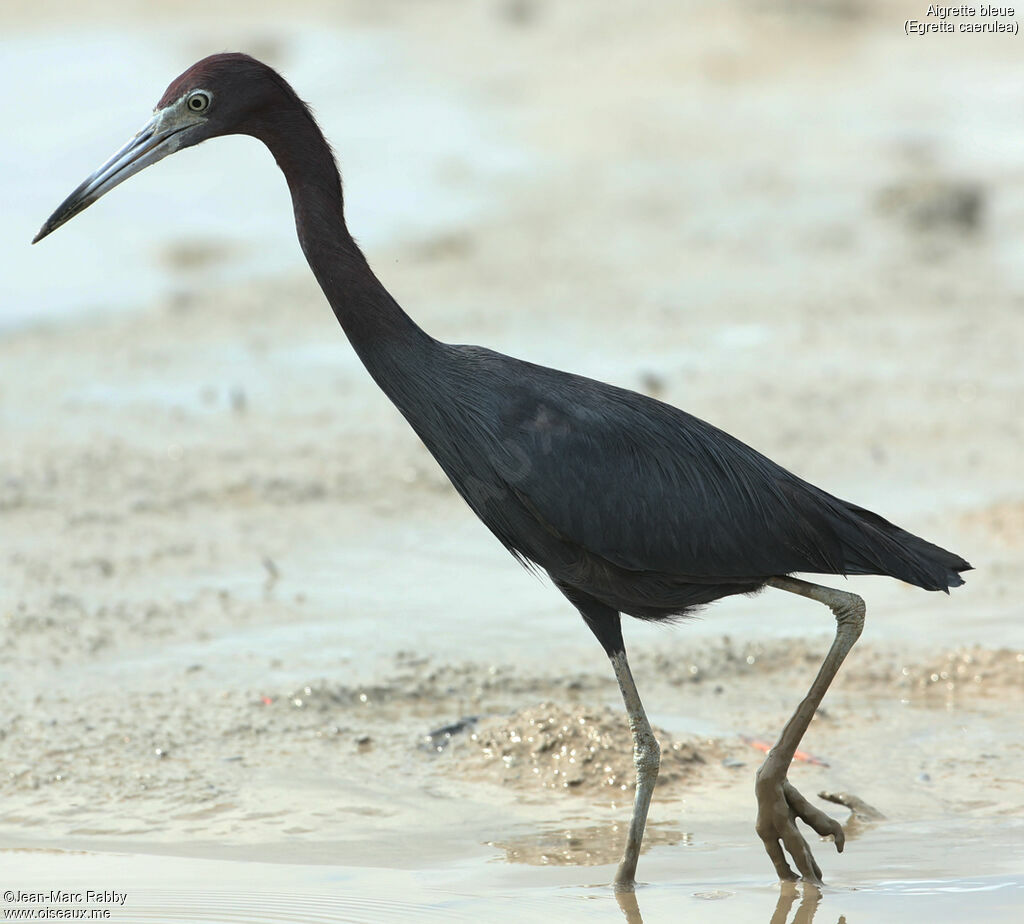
(648, 487)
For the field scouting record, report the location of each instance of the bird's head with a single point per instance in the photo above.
(223, 94)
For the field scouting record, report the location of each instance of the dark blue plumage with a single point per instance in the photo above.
(635, 502)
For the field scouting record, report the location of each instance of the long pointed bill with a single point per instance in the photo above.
(161, 136)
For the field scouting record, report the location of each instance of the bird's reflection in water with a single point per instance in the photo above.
(788, 892)
(630, 908)
(809, 895)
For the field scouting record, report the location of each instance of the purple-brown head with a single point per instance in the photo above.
(223, 94)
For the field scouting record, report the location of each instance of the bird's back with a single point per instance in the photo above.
(610, 490)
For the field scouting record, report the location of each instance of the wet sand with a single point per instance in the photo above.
(240, 604)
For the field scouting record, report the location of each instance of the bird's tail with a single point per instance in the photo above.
(873, 545)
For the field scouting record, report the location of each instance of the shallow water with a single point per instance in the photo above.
(957, 878)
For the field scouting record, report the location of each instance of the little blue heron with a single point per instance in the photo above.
(629, 504)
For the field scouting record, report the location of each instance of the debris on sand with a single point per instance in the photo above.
(438, 739)
(935, 204)
(765, 746)
(862, 816)
(859, 809)
(579, 748)
(592, 845)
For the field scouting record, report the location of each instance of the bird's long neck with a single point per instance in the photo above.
(394, 349)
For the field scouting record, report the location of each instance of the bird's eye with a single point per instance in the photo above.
(198, 101)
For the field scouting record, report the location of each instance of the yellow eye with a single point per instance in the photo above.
(198, 101)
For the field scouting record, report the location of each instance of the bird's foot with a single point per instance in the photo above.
(779, 805)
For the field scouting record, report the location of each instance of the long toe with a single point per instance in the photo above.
(779, 805)
(812, 815)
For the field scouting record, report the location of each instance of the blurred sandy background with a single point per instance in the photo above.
(236, 593)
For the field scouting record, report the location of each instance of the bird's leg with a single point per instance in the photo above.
(605, 623)
(646, 759)
(778, 802)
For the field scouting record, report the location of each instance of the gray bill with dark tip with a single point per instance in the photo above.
(154, 141)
